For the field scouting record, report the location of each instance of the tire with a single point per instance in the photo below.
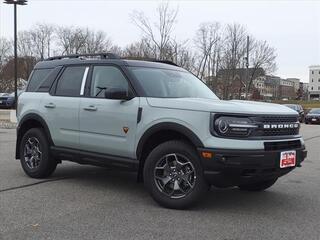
(187, 175)
(258, 186)
(35, 157)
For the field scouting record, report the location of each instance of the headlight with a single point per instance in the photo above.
(229, 126)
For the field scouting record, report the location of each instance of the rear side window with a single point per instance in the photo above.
(37, 78)
(70, 81)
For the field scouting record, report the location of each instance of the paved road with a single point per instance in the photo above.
(84, 202)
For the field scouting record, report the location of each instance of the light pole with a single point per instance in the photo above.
(15, 3)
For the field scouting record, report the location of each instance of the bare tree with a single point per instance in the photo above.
(217, 52)
(140, 49)
(234, 45)
(71, 40)
(159, 33)
(261, 56)
(96, 42)
(116, 50)
(41, 37)
(207, 41)
(232, 58)
(24, 44)
(181, 53)
(26, 61)
(5, 50)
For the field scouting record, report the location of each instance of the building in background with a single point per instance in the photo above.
(303, 92)
(287, 90)
(267, 86)
(230, 84)
(296, 82)
(314, 82)
(275, 88)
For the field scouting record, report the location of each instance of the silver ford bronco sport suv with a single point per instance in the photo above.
(157, 119)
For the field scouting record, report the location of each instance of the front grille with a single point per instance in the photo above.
(286, 145)
(279, 119)
(280, 132)
(278, 125)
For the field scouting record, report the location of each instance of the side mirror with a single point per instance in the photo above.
(117, 93)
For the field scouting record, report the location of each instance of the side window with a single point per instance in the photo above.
(37, 78)
(104, 77)
(49, 80)
(69, 83)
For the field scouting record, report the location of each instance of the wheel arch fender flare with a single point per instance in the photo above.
(165, 126)
(24, 126)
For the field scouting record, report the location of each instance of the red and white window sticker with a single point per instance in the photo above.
(288, 159)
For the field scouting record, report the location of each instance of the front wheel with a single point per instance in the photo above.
(173, 175)
(35, 156)
(258, 186)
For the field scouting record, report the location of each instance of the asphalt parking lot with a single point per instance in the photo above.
(84, 202)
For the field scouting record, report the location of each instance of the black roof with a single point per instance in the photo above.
(78, 59)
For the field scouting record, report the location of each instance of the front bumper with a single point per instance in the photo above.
(237, 167)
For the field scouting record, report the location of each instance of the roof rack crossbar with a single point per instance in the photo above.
(101, 55)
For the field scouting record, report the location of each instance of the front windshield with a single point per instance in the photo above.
(291, 106)
(294, 107)
(315, 110)
(165, 83)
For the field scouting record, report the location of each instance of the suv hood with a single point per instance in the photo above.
(222, 106)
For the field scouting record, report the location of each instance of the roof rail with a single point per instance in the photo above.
(152, 60)
(101, 55)
(166, 62)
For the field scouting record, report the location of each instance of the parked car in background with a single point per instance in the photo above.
(297, 108)
(7, 100)
(313, 116)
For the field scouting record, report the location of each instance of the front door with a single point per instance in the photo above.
(108, 126)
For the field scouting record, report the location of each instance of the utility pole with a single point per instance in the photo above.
(15, 3)
(15, 59)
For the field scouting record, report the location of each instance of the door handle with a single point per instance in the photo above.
(90, 108)
(50, 105)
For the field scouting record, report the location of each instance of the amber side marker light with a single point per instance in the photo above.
(206, 154)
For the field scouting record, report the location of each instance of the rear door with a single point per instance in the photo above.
(108, 126)
(61, 108)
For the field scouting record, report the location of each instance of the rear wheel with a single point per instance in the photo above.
(35, 156)
(258, 186)
(173, 175)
